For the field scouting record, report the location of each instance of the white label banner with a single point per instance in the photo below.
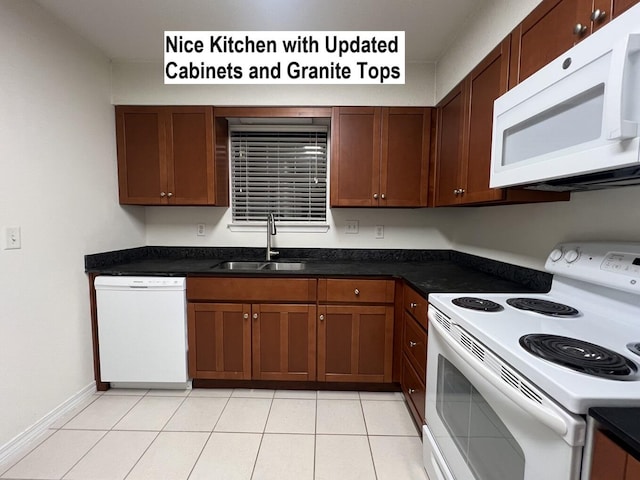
(284, 57)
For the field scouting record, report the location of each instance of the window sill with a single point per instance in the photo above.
(282, 228)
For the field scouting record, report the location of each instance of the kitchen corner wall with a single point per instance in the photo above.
(525, 234)
(58, 182)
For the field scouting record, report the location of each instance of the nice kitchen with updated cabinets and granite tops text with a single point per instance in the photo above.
(435, 279)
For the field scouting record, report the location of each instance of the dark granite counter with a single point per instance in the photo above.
(429, 271)
(623, 424)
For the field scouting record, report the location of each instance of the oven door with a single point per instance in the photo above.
(484, 421)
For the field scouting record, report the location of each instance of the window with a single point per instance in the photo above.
(281, 170)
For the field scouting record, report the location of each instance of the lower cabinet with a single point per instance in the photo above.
(274, 329)
(612, 462)
(355, 330)
(219, 341)
(355, 343)
(252, 328)
(284, 342)
(414, 351)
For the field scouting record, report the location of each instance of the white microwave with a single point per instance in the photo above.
(574, 124)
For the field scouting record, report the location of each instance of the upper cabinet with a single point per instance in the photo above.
(171, 156)
(380, 156)
(462, 163)
(555, 26)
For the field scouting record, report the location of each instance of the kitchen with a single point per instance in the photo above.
(60, 186)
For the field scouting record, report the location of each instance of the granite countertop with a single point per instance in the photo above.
(428, 271)
(623, 423)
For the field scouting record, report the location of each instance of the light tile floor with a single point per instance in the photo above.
(228, 434)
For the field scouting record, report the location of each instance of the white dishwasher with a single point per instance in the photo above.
(142, 330)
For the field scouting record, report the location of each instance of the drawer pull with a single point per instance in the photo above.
(411, 391)
(412, 344)
(357, 292)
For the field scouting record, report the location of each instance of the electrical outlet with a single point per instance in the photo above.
(12, 238)
(379, 231)
(201, 231)
(352, 227)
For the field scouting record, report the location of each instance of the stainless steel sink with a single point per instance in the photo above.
(253, 266)
(284, 266)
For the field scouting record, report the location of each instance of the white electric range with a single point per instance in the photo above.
(510, 377)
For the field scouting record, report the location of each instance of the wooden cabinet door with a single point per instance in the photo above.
(413, 387)
(451, 114)
(485, 83)
(545, 34)
(284, 342)
(355, 156)
(608, 460)
(219, 340)
(633, 468)
(355, 343)
(621, 6)
(190, 155)
(406, 142)
(142, 166)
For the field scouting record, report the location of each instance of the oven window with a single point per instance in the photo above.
(490, 451)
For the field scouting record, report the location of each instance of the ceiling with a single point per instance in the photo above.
(132, 30)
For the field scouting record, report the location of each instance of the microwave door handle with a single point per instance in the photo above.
(540, 413)
(617, 127)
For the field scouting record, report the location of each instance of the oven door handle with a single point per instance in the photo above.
(542, 414)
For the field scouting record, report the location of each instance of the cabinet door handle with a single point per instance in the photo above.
(411, 391)
(169, 194)
(357, 292)
(579, 29)
(162, 194)
(383, 196)
(462, 191)
(598, 15)
(413, 305)
(412, 343)
(375, 196)
(321, 318)
(255, 316)
(245, 316)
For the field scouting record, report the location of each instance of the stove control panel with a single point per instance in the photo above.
(624, 263)
(614, 265)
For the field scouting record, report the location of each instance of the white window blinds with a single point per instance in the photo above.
(280, 170)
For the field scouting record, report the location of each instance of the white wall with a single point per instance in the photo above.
(493, 22)
(58, 183)
(525, 234)
(403, 228)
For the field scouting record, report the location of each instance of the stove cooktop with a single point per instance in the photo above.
(610, 327)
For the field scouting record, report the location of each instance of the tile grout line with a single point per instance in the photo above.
(255, 462)
(366, 429)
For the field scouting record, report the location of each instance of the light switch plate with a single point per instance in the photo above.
(201, 230)
(379, 231)
(12, 238)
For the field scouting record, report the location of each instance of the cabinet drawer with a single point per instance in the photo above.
(414, 344)
(414, 390)
(356, 290)
(229, 289)
(416, 304)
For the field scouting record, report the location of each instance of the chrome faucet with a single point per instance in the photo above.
(271, 230)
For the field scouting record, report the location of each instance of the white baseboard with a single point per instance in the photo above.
(25, 440)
